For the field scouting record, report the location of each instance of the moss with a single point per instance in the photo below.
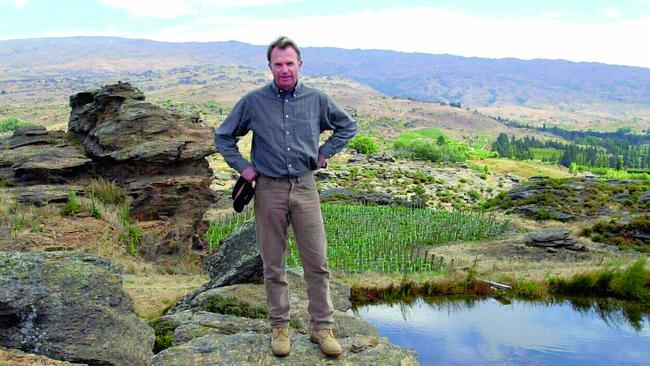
(73, 139)
(232, 306)
(164, 332)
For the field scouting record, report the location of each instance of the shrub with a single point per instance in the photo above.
(10, 124)
(364, 144)
(132, 235)
(73, 206)
(473, 194)
(430, 144)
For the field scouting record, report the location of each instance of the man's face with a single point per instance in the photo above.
(285, 67)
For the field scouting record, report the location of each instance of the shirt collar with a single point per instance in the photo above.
(278, 92)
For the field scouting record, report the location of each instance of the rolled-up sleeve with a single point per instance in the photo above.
(227, 135)
(344, 126)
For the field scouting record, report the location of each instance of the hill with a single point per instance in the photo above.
(213, 90)
(558, 92)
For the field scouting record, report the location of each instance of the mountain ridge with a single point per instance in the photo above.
(538, 90)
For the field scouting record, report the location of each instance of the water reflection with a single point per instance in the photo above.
(470, 330)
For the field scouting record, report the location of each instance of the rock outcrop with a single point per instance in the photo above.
(554, 239)
(156, 156)
(33, 155)
(250, 348)
(237, 261)
(227, 326)
(575, 198)
(71, 307)
(224, 322)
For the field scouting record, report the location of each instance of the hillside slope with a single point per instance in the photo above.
(555, 91)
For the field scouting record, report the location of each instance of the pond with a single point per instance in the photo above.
(486, 331)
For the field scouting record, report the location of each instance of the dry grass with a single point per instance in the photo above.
(152, 294)
(523, 168)
(15, 357)
(21, 218)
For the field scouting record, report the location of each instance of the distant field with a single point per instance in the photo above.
(523, 168)
(546, 153)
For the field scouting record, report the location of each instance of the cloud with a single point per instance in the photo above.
(611, 13)
(435, 31)
(170, 9)
(17, 3)
(167, 9)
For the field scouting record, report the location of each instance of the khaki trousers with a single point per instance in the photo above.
(295, 201)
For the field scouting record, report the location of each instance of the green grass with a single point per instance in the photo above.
(633, 283)
(431, 144)
(10, 124)
(547, 153)
(364, 144)
(132, 235)
(224, 226)
(393, 239)
(73, 206)
(523, 168)
(610, 173)
(107, 192)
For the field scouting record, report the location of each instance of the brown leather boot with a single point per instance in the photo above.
(280, 344)
(328, 344)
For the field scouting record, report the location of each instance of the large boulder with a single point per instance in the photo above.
(237, 261)
(554, 239)
(116, 123)
(70, 306)
(227, 326)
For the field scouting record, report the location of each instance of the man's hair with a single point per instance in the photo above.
(282, 43)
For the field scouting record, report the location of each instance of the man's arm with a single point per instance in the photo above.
(344, 126)
(228, 133)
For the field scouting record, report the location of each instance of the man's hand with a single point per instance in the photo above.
(322, 162)
(249, 174)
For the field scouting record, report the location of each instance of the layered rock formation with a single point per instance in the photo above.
(70, 306)
(156, 155)
(554, 239)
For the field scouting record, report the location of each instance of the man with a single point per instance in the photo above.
(287, 118)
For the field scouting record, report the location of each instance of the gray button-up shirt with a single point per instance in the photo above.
(286, 129)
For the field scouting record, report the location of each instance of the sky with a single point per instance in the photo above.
(608, 31)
